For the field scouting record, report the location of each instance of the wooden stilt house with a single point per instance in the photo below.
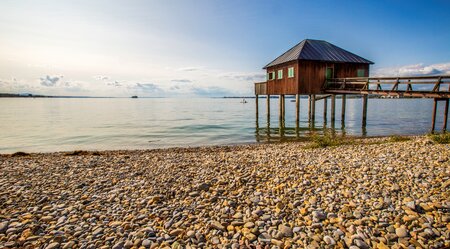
(304, 68)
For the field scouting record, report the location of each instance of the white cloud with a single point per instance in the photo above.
(115, 84)
(101, 77)
(252, 77)
(146, 87)
(190, 69)
(181, 81)
(50, 81)
(414, 70)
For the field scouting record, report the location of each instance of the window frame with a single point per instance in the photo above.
(271, 75)
(280, 74)
(291, 70)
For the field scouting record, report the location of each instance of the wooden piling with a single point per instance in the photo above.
(325, 109)
(280, 114)
(268, 108)
(284, 106)
(257, 108)
(433, 118)
(344, 100)
(309, 108)
(333, 108)
(313, 108)
(444, 126)
(364, 115)
(297, 108)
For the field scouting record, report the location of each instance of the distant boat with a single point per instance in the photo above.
(243, 101)
(134, 97)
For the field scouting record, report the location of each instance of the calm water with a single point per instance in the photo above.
(43, 125)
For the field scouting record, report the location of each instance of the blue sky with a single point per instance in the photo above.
(203, 47)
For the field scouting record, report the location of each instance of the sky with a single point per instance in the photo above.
(181, 48)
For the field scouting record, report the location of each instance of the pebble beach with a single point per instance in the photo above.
(372, 194)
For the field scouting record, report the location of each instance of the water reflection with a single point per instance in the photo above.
(298, 131)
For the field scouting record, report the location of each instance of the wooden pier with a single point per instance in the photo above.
(435, 87)
(322, 71)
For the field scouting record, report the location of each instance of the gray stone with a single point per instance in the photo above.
(329, 240)
(361, 244)
(285, 230)
(53, 245)
(264, 237)
(118, 245)
(146, 243)
(217, 225)
(401, 232)
(4, 226)
(319, 215)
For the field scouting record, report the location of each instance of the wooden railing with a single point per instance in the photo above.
(417, 86)
(261, 88)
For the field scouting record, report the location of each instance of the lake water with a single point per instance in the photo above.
(63, 124)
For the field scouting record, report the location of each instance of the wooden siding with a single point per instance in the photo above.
(312, 74)
(285, 85)
(309, 76)
(261, 88)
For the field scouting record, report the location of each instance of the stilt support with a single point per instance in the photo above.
(257, 107)
(297, 108)
(433, 119)
(333, 108)
(325, 109)
(313, 108)
(364, 115)
(309, 107)
(444, 126)
(344, 100)
(268, 108)
(280, 114)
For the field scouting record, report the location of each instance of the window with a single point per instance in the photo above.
(290, 72)
(361, 73)
(280, 74)
(271, 76)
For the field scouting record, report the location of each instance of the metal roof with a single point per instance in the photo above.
(317, 50)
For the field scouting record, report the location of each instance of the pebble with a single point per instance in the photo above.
(285, 230)
(401, 232)
(329, 240)
(376, 194)
(146, 243)
(53, 245)
(3, 226)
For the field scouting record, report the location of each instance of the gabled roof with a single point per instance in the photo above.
(317, 50)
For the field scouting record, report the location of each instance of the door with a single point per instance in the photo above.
(329, 73)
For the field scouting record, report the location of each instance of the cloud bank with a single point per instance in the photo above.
(414, 70)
